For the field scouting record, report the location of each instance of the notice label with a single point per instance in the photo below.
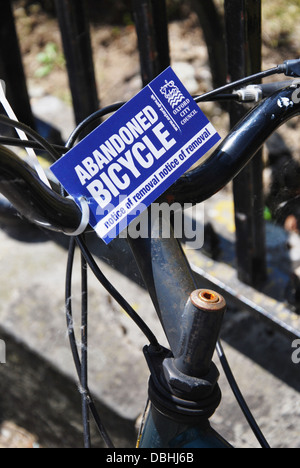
(137, 154)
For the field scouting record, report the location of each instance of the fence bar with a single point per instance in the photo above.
(243, 36)
(150, 18)
(11, 66)
(74, 26)
(213, 30)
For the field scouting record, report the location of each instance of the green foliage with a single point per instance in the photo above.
(50, 58)
(267, 214)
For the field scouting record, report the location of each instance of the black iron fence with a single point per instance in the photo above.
(234, 48)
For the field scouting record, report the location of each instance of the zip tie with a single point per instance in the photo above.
(22, 135)
(85, 216)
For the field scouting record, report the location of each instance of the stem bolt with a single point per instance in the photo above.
(207, 299)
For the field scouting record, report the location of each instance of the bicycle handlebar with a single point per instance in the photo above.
(46, 208)
(238, 148)
(42, 206)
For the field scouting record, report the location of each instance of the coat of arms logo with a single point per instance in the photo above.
(172, 93)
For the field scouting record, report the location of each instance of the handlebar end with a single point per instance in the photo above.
(292, 68)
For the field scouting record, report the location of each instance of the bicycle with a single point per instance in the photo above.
(183, 384)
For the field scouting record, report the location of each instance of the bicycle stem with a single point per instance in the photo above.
(167, 274)
(183, 384)
(200, 328)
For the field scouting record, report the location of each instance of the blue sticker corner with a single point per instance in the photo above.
(133, 157)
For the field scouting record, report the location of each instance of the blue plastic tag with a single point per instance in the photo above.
(137, 154)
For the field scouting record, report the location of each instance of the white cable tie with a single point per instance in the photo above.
(33, 159)
(85, 210)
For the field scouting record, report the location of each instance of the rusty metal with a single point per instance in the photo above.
(207, 299)
(201, 324)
